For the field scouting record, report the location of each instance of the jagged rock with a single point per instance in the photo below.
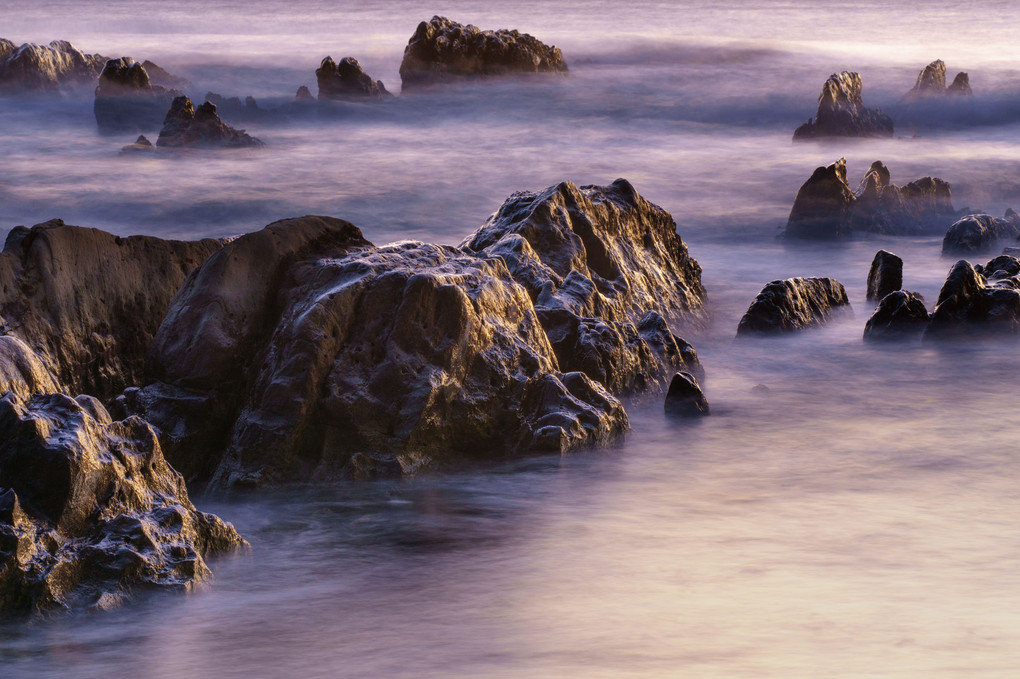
(978, 233)
(21, 371)
(442, 51)
(969, 305)
(841, 112)
(126, 100)
(90, 510)
(960, 86)
(900, 315)
(304, 94)
(793, 304)
(346, 80)
(161, 78)
(140, 145)
(188, 127)
(685, 398)
(37, 67)
(826, 208)
(88, 302)
(885, 276)
(931, 82)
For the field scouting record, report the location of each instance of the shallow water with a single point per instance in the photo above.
(857, 519)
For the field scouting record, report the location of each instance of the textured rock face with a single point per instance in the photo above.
(931, 82)
(126, 100)
(978, 233)
(968, 305)
(900, 315)
(841, 112)
(885, 276)
(442, 51)
(188, 127)
(38, 67)
(793, 304)
(346, 80)
(96, 342)
(90, 510)
(826, 208)
(685, 398)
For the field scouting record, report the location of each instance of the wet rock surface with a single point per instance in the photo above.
(885, 275)
(900, 315)
(442, 51)
(346, 80)
(841, 112)
(793, 304)
(90, 511)
(980, 233)
(31, 67)
(969, 305)
(127, 101)
(685, 398)
(187, 127)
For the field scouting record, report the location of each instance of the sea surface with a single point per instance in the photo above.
(859, 518)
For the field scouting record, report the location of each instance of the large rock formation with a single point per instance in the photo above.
(298, 348)
(346, 80)
(826, 208)
(442, 51)
(793, 304)
(979, 233)
(38, 67)
(90, 510)
(885, 275)
(88, 302)
(969, 305)
(188, 127)
(931, 82)
(841, 112)
(126, 99)
(900, 315)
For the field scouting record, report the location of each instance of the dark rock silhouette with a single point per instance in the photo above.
(442, 51)
(960, 86)
(978, 233)
(247, 111)
(188, 127)
(931, 82)
(126, 100)
(45, 67)
(140, 145)
(793, 304)
(885, 275)
(685, 398)
(969, 305)
(304, 94)
(346, 80)
(841, 112)
(900, 315)
(822, 208)
(160, 77)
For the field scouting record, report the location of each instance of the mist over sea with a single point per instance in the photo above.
(860, 519)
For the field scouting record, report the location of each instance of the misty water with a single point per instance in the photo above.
(857, 519)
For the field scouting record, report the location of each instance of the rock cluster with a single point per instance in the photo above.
(841, 112)
(826, 208)
(45, 67)
(187, 127)
(980, 233)
(126, 100)
(793, 304)
(442, 51)
(931, 82)
(346, 80)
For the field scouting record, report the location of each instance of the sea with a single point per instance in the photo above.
(859, 516)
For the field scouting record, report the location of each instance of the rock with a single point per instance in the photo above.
(841, 112)
(140, 145)
(826, 208)
(187, 127)
(96, 342)
(900, 315)
(159, 77)
(960, 86)
(977, 233)
(968, 305)
(346, 80)
(90, 510)
(126, 100)
(304, 94)
(885, 276)
(442, 51)
(931, 82)
(793, 304)
(22, 373)
(247, 111)
(37, 67)
(685, 398)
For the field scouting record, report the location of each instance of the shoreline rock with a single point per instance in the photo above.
(126, 100)
(32, 67)
(841, 112)
(188, 127)
(793, 304)
(347, 80)
(885, 275)
(931, 83)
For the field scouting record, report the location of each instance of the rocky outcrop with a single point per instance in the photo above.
(90, 511)
(685, 398)
(826, 208)
(931, 82)
(303, 94)
(127, 101)
(885, 275)
(960, 86)
(88, 302)
(37, 67)
(969, 305)
(247, 111)
(140, 145)
(187, 127)
(841, 112)
(346, 80)
(979, 233)
(900, 315)
(160, 77)
(442, 51)
(794, 304)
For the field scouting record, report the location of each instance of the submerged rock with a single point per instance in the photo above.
(140, 145)
(126, 100)
(979, 233)
(931, 82)
(841, 112)
(303, 94)
(968, 305)
(49, 67)
(442, 51)
(346, 80)
(794, 304)
(900, 315)
(685, 398)
(90, 510)
(885, 276)
(188, 127)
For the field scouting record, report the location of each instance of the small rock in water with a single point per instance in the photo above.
(885, 276)
(141, 145)
(186, 127)
(900, 315)
(685, 398)
(346, 80)
(841, 112)
(793, 304)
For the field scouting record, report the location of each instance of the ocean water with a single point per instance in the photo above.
(859, 519)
